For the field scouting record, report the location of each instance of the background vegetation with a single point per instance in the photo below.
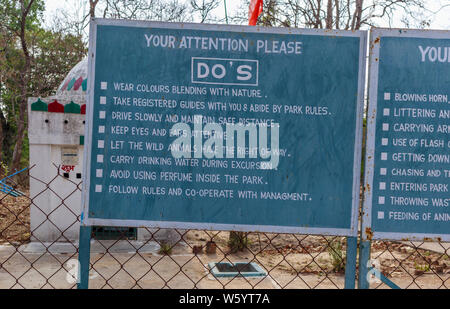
(35, 55)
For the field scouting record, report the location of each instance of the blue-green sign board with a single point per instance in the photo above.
(408, 146)
(297, 94)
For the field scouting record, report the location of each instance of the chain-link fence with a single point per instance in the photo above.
(39, 249)
(413, 265)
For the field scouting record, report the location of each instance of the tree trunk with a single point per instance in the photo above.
(17, 154)
(21, 124)
(329, 21)
(2, 137)
(92, 5)
(356, 20)
(337, 18)
(318, 18)
(359, 6)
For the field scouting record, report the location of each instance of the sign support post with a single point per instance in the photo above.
(364, 257)
(350, 264)
(84, 254)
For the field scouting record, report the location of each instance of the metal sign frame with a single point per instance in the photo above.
(374, 46)
(87, 221)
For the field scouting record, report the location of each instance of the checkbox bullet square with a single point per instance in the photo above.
(380, 215)
(98, 188)
(381, 200)
(99, 158)
(103, 100)
(386, 112)
(101, 143)
(384, 156)
(99, 173)
(387, 96)
(103, 85)
(102, 115)
(383, 171)
(382, 186)
(385, 126)
(101, 129)
(384, 141)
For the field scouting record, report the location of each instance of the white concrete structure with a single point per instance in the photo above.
(56, 139)
(50, 134)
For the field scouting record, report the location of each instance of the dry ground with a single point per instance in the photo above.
(292, 261)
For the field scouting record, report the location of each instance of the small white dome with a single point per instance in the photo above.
(73, 87)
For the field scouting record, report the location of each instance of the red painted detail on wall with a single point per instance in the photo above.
(67, 168)
(78, 83)
(83, 109)
(56, 107)
(64, 87)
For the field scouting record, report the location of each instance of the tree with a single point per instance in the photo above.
(338, 14)
(18, 18)
(76, 19)
(33, 61)
(204, 8)
(54, 54)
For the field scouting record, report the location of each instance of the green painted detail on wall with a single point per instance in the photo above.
(39, 106)
(81, 139)
(72, 108)
(71, 83)
(84, 84)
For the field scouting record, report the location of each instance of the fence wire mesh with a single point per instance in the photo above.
(39, 249)
(412, 265)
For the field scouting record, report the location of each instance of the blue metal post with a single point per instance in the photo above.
(364, 257)
(84, 254)
(388, 282)
(350, 263)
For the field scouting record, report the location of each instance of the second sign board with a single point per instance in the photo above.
(408, 145)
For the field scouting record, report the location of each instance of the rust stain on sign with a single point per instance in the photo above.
(369, 233)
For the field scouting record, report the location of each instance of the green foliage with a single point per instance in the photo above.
(52, 55)
(11, 12)
(423, 268)
(4, 168)
(337, 255)
(238, 241)
(165, 249)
